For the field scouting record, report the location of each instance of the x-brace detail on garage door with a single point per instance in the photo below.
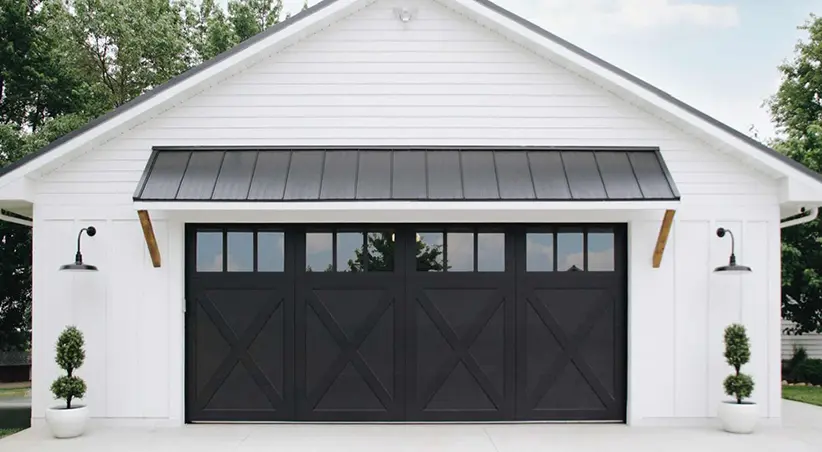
(460, 349)
(350, 351)
(239, 351)
(570, 353)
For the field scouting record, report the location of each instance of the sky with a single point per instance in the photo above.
(720, 56)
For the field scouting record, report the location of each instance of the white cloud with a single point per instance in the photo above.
(611, 16)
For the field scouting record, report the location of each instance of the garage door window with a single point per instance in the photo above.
(349, 251)
(460, 251)
(270, 251)
(601, 250)
(209, 251)
(568, 249)
(240, 251)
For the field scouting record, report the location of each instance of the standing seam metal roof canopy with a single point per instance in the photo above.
(347, 174)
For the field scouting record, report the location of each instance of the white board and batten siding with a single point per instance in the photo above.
(811, 342)
(439, 80)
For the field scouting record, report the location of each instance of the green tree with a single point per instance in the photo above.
(249, 17)
(128, 46)
(207, 30)
(15, 280)
(38, 76)
(796, 110)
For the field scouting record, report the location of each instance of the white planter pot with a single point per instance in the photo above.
(738, 417)
(65, 423)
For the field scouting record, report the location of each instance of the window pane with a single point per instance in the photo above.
(460, 252)
(570, 255)
(491, 252)
(539, 252)
(349, 252)
(429, 252)
(240, 251)
(601, 251)
(209, 251)
(318, 252)
(381, 251)
(270, 252)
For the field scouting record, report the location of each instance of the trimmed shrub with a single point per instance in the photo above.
(70, 356)
(737, 353)
(799, 356)
(809, 371)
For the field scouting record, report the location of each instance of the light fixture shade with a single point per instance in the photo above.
(78, 267)
(732, 269)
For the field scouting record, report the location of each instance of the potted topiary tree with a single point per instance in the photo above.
(70, 420)
(738, 416)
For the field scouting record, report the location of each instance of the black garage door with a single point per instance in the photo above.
(405, 323)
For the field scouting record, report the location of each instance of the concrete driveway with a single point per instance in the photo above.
(801, 433)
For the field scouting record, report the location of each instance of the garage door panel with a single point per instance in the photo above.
(556, 377)
(462, 308)
(350, 392)
(239, 391)
(349, 307)
(599, 352)
(461, 391)
(212, 350)
(239, 307)
(349, 357)
(570, 391)
(449, 324)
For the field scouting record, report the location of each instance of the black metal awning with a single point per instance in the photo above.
(418, 174)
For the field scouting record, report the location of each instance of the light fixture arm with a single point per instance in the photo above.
(91, 231)
(721, 233)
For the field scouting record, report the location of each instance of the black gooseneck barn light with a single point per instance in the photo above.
(732, 268)
(78, 264)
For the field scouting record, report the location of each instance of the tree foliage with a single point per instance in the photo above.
(796, 110)
(70, 356)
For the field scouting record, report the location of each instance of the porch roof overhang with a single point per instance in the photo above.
(307, 175)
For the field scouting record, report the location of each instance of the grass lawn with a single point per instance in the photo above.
(14, 392)
(803, 394)
(8, 431)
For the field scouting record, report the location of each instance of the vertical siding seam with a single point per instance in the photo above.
(673, 314)
(711, 226)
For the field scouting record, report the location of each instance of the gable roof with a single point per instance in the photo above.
(487, 4)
